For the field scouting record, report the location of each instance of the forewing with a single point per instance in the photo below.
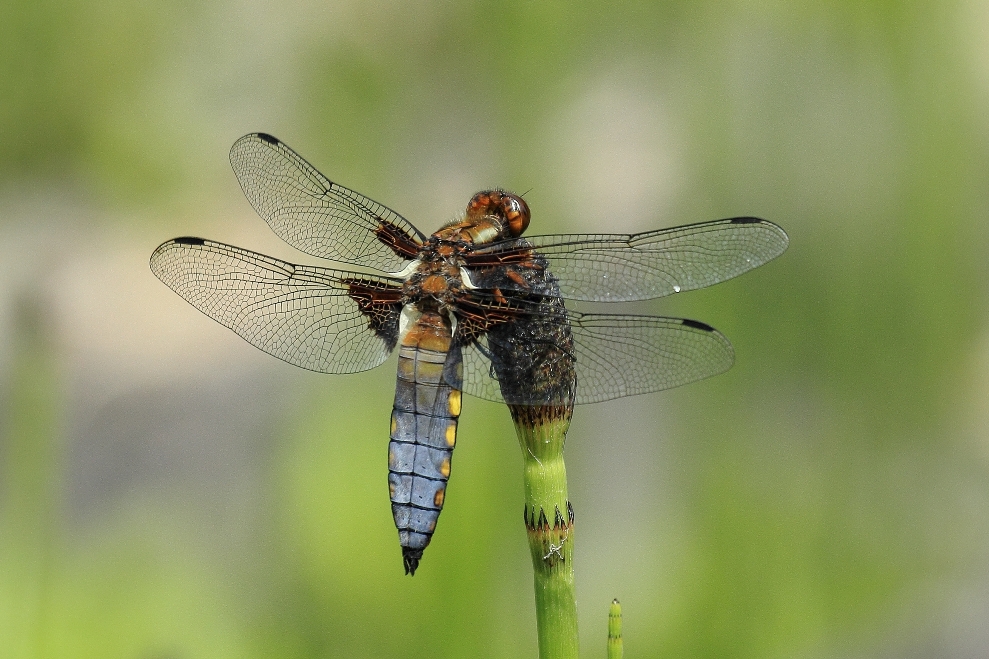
(621, 355)
(315, 215)
(642, 266)
(323, 320)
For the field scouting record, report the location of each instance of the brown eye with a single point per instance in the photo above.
(516, 212)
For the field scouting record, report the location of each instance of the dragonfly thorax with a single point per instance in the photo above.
(435, 282)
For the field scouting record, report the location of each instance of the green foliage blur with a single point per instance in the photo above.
(167, 491)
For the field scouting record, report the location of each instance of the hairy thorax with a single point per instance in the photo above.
(439, 278)
(436, 281)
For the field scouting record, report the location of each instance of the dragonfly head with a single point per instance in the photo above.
(511, 209)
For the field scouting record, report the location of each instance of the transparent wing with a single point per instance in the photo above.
(313, 214)
(307, 316)
(642, 266)
(620, 355)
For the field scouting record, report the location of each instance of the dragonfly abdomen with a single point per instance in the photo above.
(423, 433)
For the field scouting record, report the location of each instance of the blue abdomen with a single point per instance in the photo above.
(423, 434)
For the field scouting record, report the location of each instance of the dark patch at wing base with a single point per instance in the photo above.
(382, 305)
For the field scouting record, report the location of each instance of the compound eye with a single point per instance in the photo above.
(516, 213)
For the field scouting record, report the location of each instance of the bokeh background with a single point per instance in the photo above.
(169, 492)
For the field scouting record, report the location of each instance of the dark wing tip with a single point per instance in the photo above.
(696, 324)
(265, 137)
(746, 220)
(411, 558)
(188, 240)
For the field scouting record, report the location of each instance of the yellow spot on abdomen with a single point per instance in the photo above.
(451, 435)
(438, 498)
(445, 468)
(394, 424)
(455, 402)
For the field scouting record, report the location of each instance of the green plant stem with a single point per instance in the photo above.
(615, 631)
(549, 523)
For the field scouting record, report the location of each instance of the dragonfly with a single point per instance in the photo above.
(473, 308)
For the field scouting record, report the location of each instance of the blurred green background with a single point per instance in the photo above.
(169, 492)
